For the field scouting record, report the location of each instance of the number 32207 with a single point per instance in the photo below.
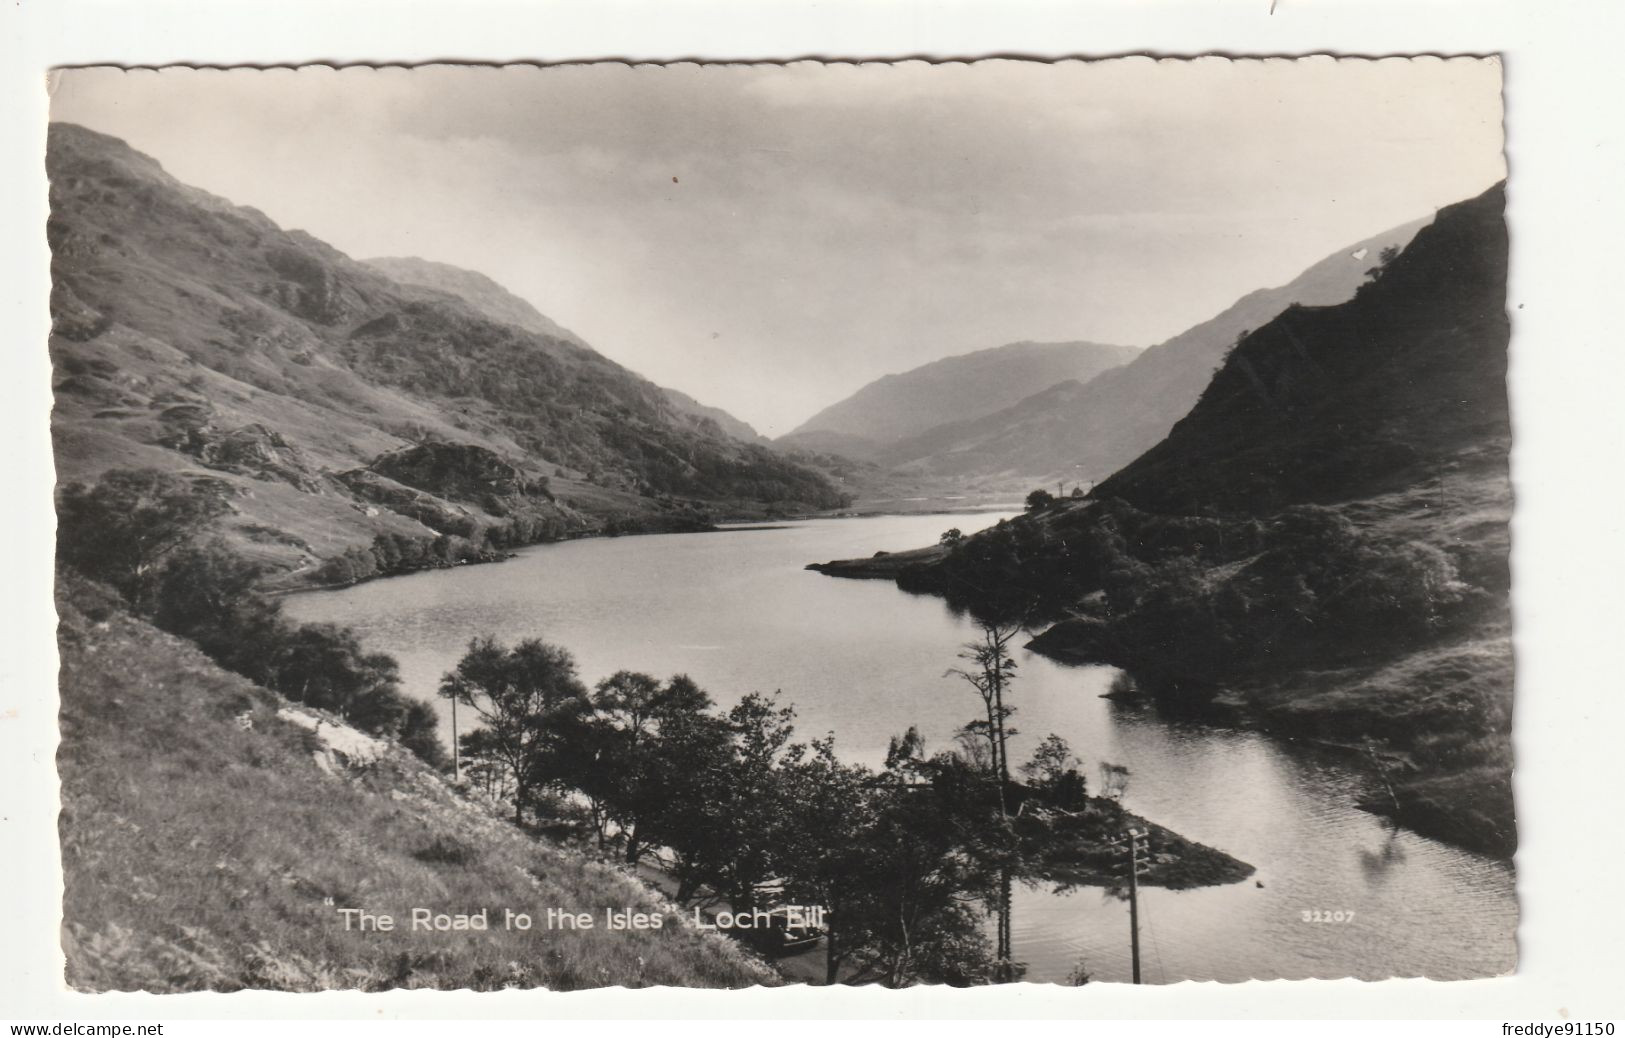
(1315, 915)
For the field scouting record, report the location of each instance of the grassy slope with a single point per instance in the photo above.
(199, 854)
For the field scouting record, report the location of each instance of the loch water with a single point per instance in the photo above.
(737, 611)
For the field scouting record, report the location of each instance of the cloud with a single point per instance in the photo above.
(769, 238)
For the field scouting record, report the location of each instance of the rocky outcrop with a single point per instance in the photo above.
(261, 452)
(438, 515)
(253, 450)
(461, 472)
(308, 287)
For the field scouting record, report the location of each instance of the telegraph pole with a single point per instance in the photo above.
(1136, 845)
(1134, 899)
(456, 752)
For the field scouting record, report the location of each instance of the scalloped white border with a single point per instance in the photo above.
(1568, 366)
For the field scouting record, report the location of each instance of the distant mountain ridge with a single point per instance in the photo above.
(195, 336)
(1087, 429)
(738, 428)
(485, 294)
(967, 385)
(500, 304)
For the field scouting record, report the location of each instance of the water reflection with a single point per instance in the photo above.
(1377, 864)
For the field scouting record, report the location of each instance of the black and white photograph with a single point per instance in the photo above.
(757, 524)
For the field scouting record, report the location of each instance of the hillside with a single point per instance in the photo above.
(192, 335)
(1403, 386)
(475, 289)
(499, 304)
(738, 428)
(1319, 547)
(1086, 429)
(955, 388)
(211, 831)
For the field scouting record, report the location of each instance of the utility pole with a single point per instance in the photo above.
(456, 752)
(1136, 841)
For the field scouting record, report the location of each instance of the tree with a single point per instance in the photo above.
(528, 697)
(609, 755)
(1018, 572)
(483, 768)
(950, 538)
(1053, 774)
(636, 723)
(1113, 781)
(689, 781)
(205, 592)
(745, 818)
(324, 665)
(1039, 500)
(1384, 258)
(926, 853)
(823, 844)
(1241, 337)
(124, 527)
(906, 749)
(420, 733)
(990, 673)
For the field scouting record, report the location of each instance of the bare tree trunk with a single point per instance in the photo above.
(901, 965)
(1001, 754)
(1005, 970)
(1001, 767)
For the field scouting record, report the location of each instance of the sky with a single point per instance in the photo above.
(771, 238)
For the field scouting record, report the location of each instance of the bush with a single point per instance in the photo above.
(136, 531)
(122, 529)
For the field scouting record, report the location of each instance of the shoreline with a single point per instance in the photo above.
(280, 587)
(1415, 805)
(1238, 708)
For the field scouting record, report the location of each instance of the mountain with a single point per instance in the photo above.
(1319, 547)
(1086, 429)
(1403, 386)
(499, 304)
(827, 441)
(966, 386)
(731, 426)
(332, 403)
(474, 288)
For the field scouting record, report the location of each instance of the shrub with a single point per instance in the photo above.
(122, 529)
